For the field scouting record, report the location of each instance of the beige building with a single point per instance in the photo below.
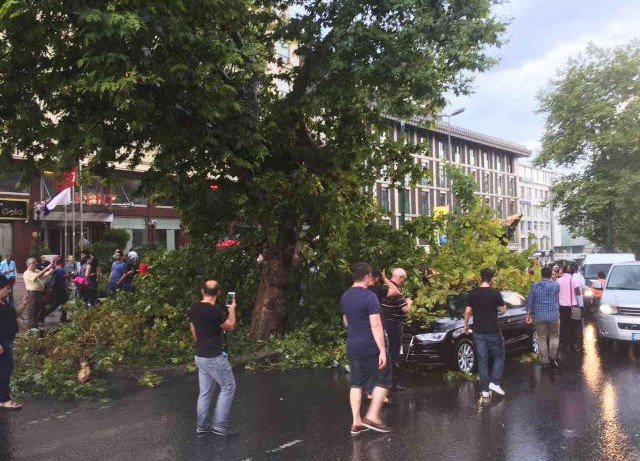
(492, 161)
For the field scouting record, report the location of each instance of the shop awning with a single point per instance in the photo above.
(91, 216)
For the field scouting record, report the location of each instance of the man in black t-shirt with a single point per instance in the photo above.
(208, 325)
(483, 304)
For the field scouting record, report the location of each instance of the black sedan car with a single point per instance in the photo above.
(444, 340)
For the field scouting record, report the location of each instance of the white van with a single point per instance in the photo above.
(602, 262)
(618, 317)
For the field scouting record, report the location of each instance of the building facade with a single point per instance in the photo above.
(23, 224)
(538, 226)
(492, 161)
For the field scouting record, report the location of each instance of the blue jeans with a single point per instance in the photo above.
(212, 372)
(6, 368)
(489, 345)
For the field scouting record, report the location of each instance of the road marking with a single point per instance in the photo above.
(61, 416)
(105, 407)
(33, 422)
(284, 446)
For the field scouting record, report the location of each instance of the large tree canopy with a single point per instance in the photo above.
(593, 131)
(192, 82)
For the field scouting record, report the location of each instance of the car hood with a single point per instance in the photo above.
(629, 298)
(440, 325)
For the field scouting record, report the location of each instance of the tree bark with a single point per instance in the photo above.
(269, 312)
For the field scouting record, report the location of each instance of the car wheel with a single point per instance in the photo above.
(535, 348)
(466, 358)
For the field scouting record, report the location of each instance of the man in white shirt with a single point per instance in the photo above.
(581, 282)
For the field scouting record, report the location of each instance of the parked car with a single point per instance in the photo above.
(600, 262)
(444, 340)
(618, 317)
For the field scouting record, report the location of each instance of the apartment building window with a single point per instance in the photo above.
(442, 176)
(499, 162)
(423, 202)
(384, 198)
(442, 198)
(487, 201)
(485, 159)
(426, 167)
(473, 160)
(500, 208)
(512, 207)
(512, 186)
(523, 243)
(441, 153)
(456, 154)
(500, 183)
(282, 50)
(486, 182)
(509, 163)
(407, 200)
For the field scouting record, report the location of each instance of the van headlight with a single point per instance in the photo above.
(432, 337)
(608, 309)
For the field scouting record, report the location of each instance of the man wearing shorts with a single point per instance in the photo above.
(366, 350)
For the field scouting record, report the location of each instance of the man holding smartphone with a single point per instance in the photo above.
(208, 326)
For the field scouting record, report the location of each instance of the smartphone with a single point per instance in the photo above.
(231, 297)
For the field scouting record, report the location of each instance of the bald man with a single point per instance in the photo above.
(209, 323)
(395, 310)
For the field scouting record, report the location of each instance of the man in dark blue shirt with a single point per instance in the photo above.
(360, 309)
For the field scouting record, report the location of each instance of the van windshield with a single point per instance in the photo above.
(591, 270)
(624, 278)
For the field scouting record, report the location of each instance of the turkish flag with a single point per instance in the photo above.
(67, 179)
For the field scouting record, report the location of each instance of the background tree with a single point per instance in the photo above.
(593, 131)
(187, 82)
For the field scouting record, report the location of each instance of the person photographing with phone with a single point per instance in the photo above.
(209, 323)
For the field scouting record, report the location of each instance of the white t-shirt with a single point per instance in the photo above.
(579, 279)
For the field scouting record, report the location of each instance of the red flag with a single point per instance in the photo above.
(67, 179)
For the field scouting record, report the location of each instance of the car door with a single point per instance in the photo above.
(514, 326)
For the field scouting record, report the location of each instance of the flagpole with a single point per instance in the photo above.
(64, 246)
(81, 206)
(73, 219)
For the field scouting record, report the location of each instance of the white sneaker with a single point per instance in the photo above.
(486, 395)
(497, 389)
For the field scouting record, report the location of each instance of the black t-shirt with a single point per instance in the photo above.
(485, 302)
(380, 291)
(8, 322)
(206, 319)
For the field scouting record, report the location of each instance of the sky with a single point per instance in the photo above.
(542, 35)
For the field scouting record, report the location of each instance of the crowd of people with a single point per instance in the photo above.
(49, 284)
(374, 311)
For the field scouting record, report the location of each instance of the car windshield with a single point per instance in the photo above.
(591, 270)
(513, 299)
(624, 278)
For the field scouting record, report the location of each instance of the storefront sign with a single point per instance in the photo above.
(14, 209)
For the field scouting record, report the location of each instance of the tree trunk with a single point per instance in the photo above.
(269, 312)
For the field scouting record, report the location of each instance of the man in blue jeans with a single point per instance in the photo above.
(208, 325)
(483, 304)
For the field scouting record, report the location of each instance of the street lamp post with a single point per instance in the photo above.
(452, 114)
(403, 192)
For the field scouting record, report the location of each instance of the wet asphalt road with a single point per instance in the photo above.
(588, 410)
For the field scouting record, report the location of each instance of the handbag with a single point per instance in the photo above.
(576, 311)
